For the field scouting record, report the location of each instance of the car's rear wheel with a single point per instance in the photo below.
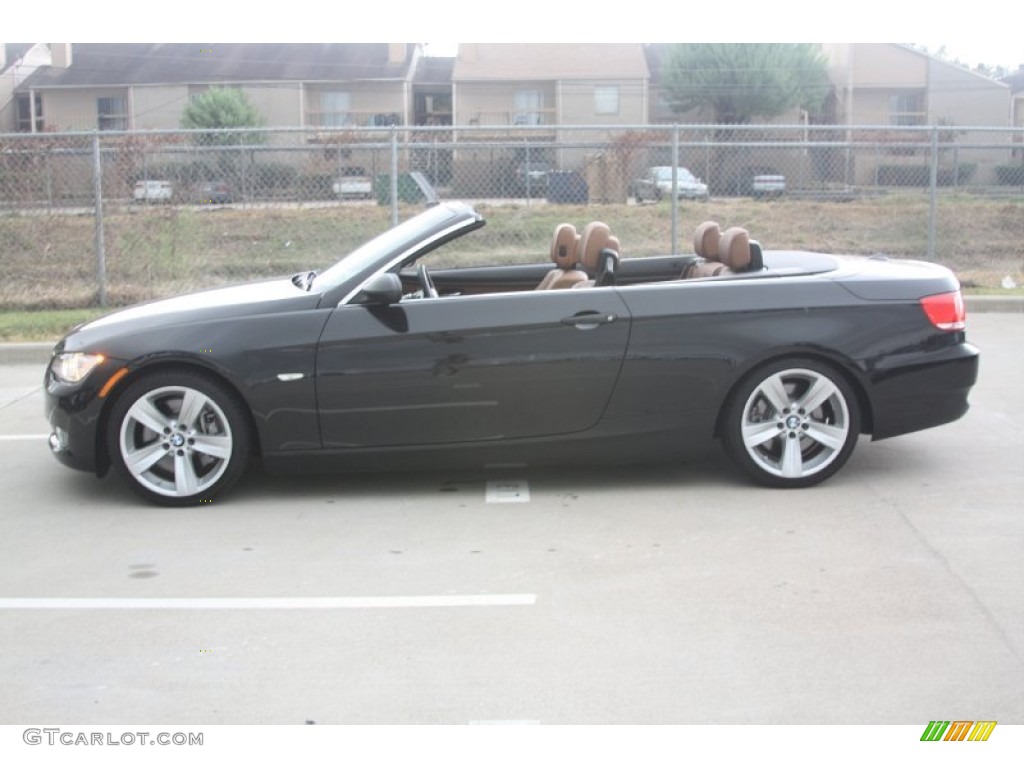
(792, 424)
(178, 437)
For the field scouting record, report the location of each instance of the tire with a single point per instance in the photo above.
(175, 462)
(792, 424)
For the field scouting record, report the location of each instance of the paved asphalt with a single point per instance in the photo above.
(661, 594)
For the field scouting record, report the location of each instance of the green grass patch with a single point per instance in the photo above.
(48, 261)
(47, 325)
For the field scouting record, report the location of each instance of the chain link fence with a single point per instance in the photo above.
(112, 218)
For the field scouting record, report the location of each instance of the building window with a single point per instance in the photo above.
(335, 107)
(112, 113)
(606, 100)
(24, 124)
(907, 109)
(526, 107)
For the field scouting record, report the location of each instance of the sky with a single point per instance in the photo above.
(987, 35)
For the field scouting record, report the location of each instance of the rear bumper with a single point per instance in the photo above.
(925, 394)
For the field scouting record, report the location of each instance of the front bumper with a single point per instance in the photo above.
(74, 412)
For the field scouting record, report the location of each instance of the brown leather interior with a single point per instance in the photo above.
(721, 253)
(565, 254)
(599, 254)
(594, 238)
(734, 249)
(706, 239)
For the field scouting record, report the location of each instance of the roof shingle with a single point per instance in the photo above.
(122, 64)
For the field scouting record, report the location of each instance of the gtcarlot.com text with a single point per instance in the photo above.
(54, 736)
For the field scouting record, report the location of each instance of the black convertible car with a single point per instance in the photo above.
(381, 362)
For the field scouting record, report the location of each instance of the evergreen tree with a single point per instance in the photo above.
(739, 82)
(223, 108)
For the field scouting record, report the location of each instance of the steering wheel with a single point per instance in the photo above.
(426, 283)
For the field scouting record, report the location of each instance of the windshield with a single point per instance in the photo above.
(665, 174)
(394, 241)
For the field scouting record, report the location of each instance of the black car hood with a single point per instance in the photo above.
(280, 295)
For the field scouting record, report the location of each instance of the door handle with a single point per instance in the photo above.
(587, 320)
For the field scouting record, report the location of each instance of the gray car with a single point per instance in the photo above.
(657, 184)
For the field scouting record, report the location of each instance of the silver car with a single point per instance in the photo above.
(657, 183)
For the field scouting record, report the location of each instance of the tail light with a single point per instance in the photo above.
(946, 311)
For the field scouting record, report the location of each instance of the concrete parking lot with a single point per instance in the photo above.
(656, 594)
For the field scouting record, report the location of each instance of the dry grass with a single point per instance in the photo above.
(48, 261)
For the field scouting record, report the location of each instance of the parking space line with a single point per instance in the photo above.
(504, 722)
(507, 491)
(251, 603)
(6, 438)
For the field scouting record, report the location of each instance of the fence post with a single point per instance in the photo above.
(526, 167)
(394, 175)
(97, 191)
(672, 195)
(933, 189)
(49, 182)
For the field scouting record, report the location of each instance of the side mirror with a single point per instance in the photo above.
(382, 290)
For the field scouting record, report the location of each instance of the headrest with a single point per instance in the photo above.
(608, 262)
(734, 249)
(563, 247)
(706, 240)
(596, 237)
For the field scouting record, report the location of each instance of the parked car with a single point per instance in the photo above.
(531, 178)
(214, 193)
(757, 181)
(152, 191)
(567, 187)
(353, 183)
(657, 183)
(383, 362)
(768, 185)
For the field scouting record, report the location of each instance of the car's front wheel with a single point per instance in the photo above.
(178, 437)
(792, 424)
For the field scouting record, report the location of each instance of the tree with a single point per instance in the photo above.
(743, 81)
(223, 108)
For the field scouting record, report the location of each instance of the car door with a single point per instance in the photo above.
(466, 368)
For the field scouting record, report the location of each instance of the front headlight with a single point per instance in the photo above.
(73, 367)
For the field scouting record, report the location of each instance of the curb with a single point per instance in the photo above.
(38, 353)
(994, 304)
(33, 353)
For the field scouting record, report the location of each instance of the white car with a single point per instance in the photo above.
(768, 185)
(150, 191)
(353, 183)
(657, 183)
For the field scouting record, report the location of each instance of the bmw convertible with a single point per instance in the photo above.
(387, 360)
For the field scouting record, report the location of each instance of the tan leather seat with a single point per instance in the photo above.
(564, 252)
(722, 253)
(706, 242)
(734, 249)
(598, 255)
(706, 238)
